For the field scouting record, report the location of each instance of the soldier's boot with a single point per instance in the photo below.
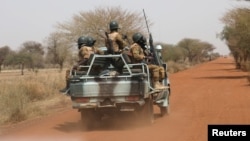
(156, 83)
(159, 86)
(162, 73)
(66, 89)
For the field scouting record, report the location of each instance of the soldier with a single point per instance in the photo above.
(115, 42)
(86, 48)
(139, 52)
(115, 45)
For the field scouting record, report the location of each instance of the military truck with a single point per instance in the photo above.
(97, 89)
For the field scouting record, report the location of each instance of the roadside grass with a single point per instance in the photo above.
(174, 67)
(36, 94)
(30, 95)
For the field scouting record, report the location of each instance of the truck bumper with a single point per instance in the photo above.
(123, 106)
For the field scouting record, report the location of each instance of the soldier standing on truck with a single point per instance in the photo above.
(115, 45)
(86, 48)
(114, 41)
(139, 54)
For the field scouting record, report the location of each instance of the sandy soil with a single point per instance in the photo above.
(209, 93)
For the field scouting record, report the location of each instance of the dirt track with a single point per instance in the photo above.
(210, 93)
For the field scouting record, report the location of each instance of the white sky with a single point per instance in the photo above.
(34, 20)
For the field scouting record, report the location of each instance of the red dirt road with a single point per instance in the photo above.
(210, 93)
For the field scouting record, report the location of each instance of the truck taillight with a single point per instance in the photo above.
(82, 99)
(132, 98)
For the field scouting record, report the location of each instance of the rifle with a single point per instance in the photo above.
(156, 59)
(110, 43)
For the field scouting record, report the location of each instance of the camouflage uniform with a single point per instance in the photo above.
(83, 54)
(157, 72)
(115, 45)
(137, 53)
(117, 42)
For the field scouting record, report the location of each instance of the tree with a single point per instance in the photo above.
(94, 23)
(18, 58)
(236, 33)
(61, 44)
(195, 49)
(191, 47)
(35, 51)
(206, 51)
(4, 51)
(172, 52)
(58, 49)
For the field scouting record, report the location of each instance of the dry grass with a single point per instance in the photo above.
(176, 67)
(30, 95)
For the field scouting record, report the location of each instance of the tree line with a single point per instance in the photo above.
(59, 49)
(236, 33)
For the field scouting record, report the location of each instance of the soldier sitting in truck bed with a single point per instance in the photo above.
(138, 55)
(86, 48)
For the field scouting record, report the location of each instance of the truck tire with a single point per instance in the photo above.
(146, 112)
(89, 118)
(164, 111)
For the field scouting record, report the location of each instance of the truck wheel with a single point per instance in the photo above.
(146, 113)
(88, 118)
(164, 111)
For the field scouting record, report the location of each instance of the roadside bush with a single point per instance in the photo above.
(17, 115)
(35, 90)
(174, 67)
(13, 103)
(23, 97)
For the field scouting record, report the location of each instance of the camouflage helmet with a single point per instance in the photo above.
(82, 41)
(113, 25)
(138, 38)
(90, 41)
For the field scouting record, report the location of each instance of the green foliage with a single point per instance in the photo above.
(236, 33)
(30, 55)
(34, 51)
(4, 52)
(196, 50)
(171, 52)
(18, 58)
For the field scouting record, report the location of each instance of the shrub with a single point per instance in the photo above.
(13, 103)
(174, 67)
(23, 97)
